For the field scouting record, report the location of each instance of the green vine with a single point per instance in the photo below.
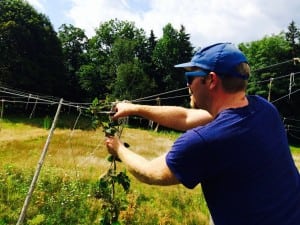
(113, 186)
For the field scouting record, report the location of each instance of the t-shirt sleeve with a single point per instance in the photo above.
(185, 161)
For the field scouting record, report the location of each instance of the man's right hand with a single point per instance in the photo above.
(123, 109)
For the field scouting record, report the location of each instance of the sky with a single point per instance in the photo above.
(207, 21)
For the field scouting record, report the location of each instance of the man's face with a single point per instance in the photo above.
(199, 93)
(192, 100)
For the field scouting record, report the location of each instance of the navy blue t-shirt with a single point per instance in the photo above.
(243, 162)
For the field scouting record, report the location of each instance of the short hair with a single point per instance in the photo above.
(232, 84)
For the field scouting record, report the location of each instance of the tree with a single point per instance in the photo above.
(132, 82)
(74, 46)
(174, 47)
(90, 80)
(117, 44)
(261, 54)
(31, 56)
(293, 36)
(148, 63)
(99, 55)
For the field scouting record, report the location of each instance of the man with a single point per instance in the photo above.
(235, 145)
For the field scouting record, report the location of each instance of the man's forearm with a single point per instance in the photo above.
(178, 118)
(153, 171)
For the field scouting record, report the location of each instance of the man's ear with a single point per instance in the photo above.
(213, 79)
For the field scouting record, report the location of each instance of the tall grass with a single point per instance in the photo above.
(75, 160)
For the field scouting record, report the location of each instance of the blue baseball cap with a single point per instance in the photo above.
(221, 58)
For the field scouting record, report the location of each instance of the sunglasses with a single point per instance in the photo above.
(190, 79)
(190, 76)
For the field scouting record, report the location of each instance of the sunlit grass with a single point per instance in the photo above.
(80, 155)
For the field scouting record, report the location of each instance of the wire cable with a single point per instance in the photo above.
(277, 64)
(285, 96)
(157, 95)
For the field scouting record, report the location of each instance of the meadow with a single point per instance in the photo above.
(76, 158)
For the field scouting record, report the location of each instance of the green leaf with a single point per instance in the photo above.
(124, 180)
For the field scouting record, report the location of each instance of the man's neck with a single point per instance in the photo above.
(227, 101)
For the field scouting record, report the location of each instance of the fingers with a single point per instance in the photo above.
(113, 144)
(121, 110)
(109, 142)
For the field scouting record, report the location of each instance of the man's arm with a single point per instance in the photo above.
(153, 171)
(174, 117)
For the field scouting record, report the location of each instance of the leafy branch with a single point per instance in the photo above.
(113, 202)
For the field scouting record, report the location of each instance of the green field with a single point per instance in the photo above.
(74, 162)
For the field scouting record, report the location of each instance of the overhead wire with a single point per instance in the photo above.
(39, 99)
(285, 118)
(160, 98)
(44, 99)
(274, 78)
(295, 60)
(160, 94)
(78, 105)
(285, 96)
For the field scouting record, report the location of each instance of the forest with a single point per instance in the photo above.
(121, 62)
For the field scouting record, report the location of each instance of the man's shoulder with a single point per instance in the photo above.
(259, 103)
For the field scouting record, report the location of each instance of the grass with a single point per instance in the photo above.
(75, 160)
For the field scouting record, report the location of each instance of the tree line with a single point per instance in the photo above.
(120, 61)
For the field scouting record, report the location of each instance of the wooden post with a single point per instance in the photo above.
(39, 166)
(270, 88)
(26, 107)
(32, 112)
(158, 103)
(2, 108)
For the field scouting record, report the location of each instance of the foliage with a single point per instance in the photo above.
(131, 81)
(118, 49)
(293, 37)
(47, 122)
(268, 51)
(31, 54)
(90, 80)
(173, 48)
(114, 201)
(74, 45)
(55, 201)
(60, 200)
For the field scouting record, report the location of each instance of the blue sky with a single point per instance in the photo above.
(207, 21)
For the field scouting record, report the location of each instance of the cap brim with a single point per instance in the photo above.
(184, 65)
(197, 73)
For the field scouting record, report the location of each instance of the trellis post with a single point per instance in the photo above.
(39, 166)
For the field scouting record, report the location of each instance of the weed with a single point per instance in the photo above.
(47, 122)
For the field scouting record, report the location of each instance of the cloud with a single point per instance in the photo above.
(206, 21)
(37, 4)
(89, 14)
